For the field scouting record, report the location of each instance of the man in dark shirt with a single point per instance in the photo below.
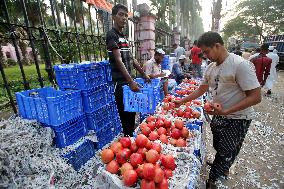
(122, 63)
(262, 64)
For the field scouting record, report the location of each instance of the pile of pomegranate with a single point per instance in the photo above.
(140, 161)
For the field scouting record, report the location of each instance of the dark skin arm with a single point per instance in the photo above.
(140, 70)
(133, 86)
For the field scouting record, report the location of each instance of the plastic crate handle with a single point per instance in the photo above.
(34, 94)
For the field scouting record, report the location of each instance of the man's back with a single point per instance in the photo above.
(196, 55)
(262, 66)
(274, 57)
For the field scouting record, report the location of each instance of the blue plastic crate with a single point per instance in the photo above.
(107, 133)
(70, 132)
(113, 111)
(107, 70)
(94, 98)
(80, 76)
(98, 118)
(145, 100)
(81, 155)
(50, 106)
(165, 63)
(110, 93)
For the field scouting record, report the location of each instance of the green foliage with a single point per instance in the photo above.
(256, 17)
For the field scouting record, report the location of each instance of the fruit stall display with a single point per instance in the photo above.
(162, 152)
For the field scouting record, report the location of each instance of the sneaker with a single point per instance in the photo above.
(268, 92)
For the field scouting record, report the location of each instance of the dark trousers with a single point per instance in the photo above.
(228, 137)
(127, 118)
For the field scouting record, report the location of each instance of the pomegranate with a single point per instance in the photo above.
(176, 133)
(159, 123)
(181, 143)
(180, 113)
(164, 184)
(151, 125)
(133, 147)
(157, 147)
(149, 145)
(126, 166)
(152, 156)
(167, 123)
(159, 175)
(184, 133)
(139, 170)
(153, 136)
(173, 141)
(164, 139)
(116, 147)
(147, 184)
(107, 155)
(125, 141)
(130, 178)
(187, 115)
(141, 141)
(179, 124)
(196, 114)
(136, 159)
(162, 130)
(142, 151)
(112, 167)
(188, 109)
(166, 106)
(143, 125)
(168, 173)
(123, 155)
(168, 162)
(146, 131)
(150, 119)
(148, 171)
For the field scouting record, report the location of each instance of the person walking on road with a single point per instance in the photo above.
(272, 78)
(122, 63)
(232, 81)
(262, 64)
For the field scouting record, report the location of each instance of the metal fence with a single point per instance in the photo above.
(54, 32)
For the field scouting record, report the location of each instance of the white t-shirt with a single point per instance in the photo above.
(229, 81)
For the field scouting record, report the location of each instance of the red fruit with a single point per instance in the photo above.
(159, 175)
(116, 147)
(149, 145)
(159, 123)
(167, 123)
(151, 125)
(148, 171)
(136, 159)
(168, 173)
(196, 114)
(152, 156)
(153, 136)
(123, 155)
(172, 105)
(208, 107)
(107, 155)
(143, 125)
(188, 109)
(217, 106)
(162, 130)
(181, 143)
(157, 147)
(139, 170)
(173, 141)
(126, 166)
(133, 147)
(180, 113)
(142, 151)
(112, 167)
(179, 124)
(130, 178)
(146, 131)
(168, 162)
(187, 115)
(147, 184)
(184, 133)
(125, 141)
(176, 133)
(164, 184)
(141, 141)
(166, 106)
(165, 100)
(164, 139)
(150, 119)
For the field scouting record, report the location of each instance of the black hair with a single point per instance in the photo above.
(209, 39)
(117, 7)
(264, 47)
(257, 49)
(195, 42)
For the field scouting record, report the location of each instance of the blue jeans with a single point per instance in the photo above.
(197, 70)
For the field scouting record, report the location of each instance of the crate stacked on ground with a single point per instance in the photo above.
(166, 63)
(95, 82)
(144, 101)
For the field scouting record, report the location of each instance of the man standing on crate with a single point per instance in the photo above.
(232, 82)
(122, 63)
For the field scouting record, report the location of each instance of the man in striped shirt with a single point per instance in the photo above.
(122, 64)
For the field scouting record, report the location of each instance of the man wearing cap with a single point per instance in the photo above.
(178, 70)
(154, 70)
(262, 65)
(273, 74)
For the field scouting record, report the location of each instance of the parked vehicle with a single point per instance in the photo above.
(278, 42)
